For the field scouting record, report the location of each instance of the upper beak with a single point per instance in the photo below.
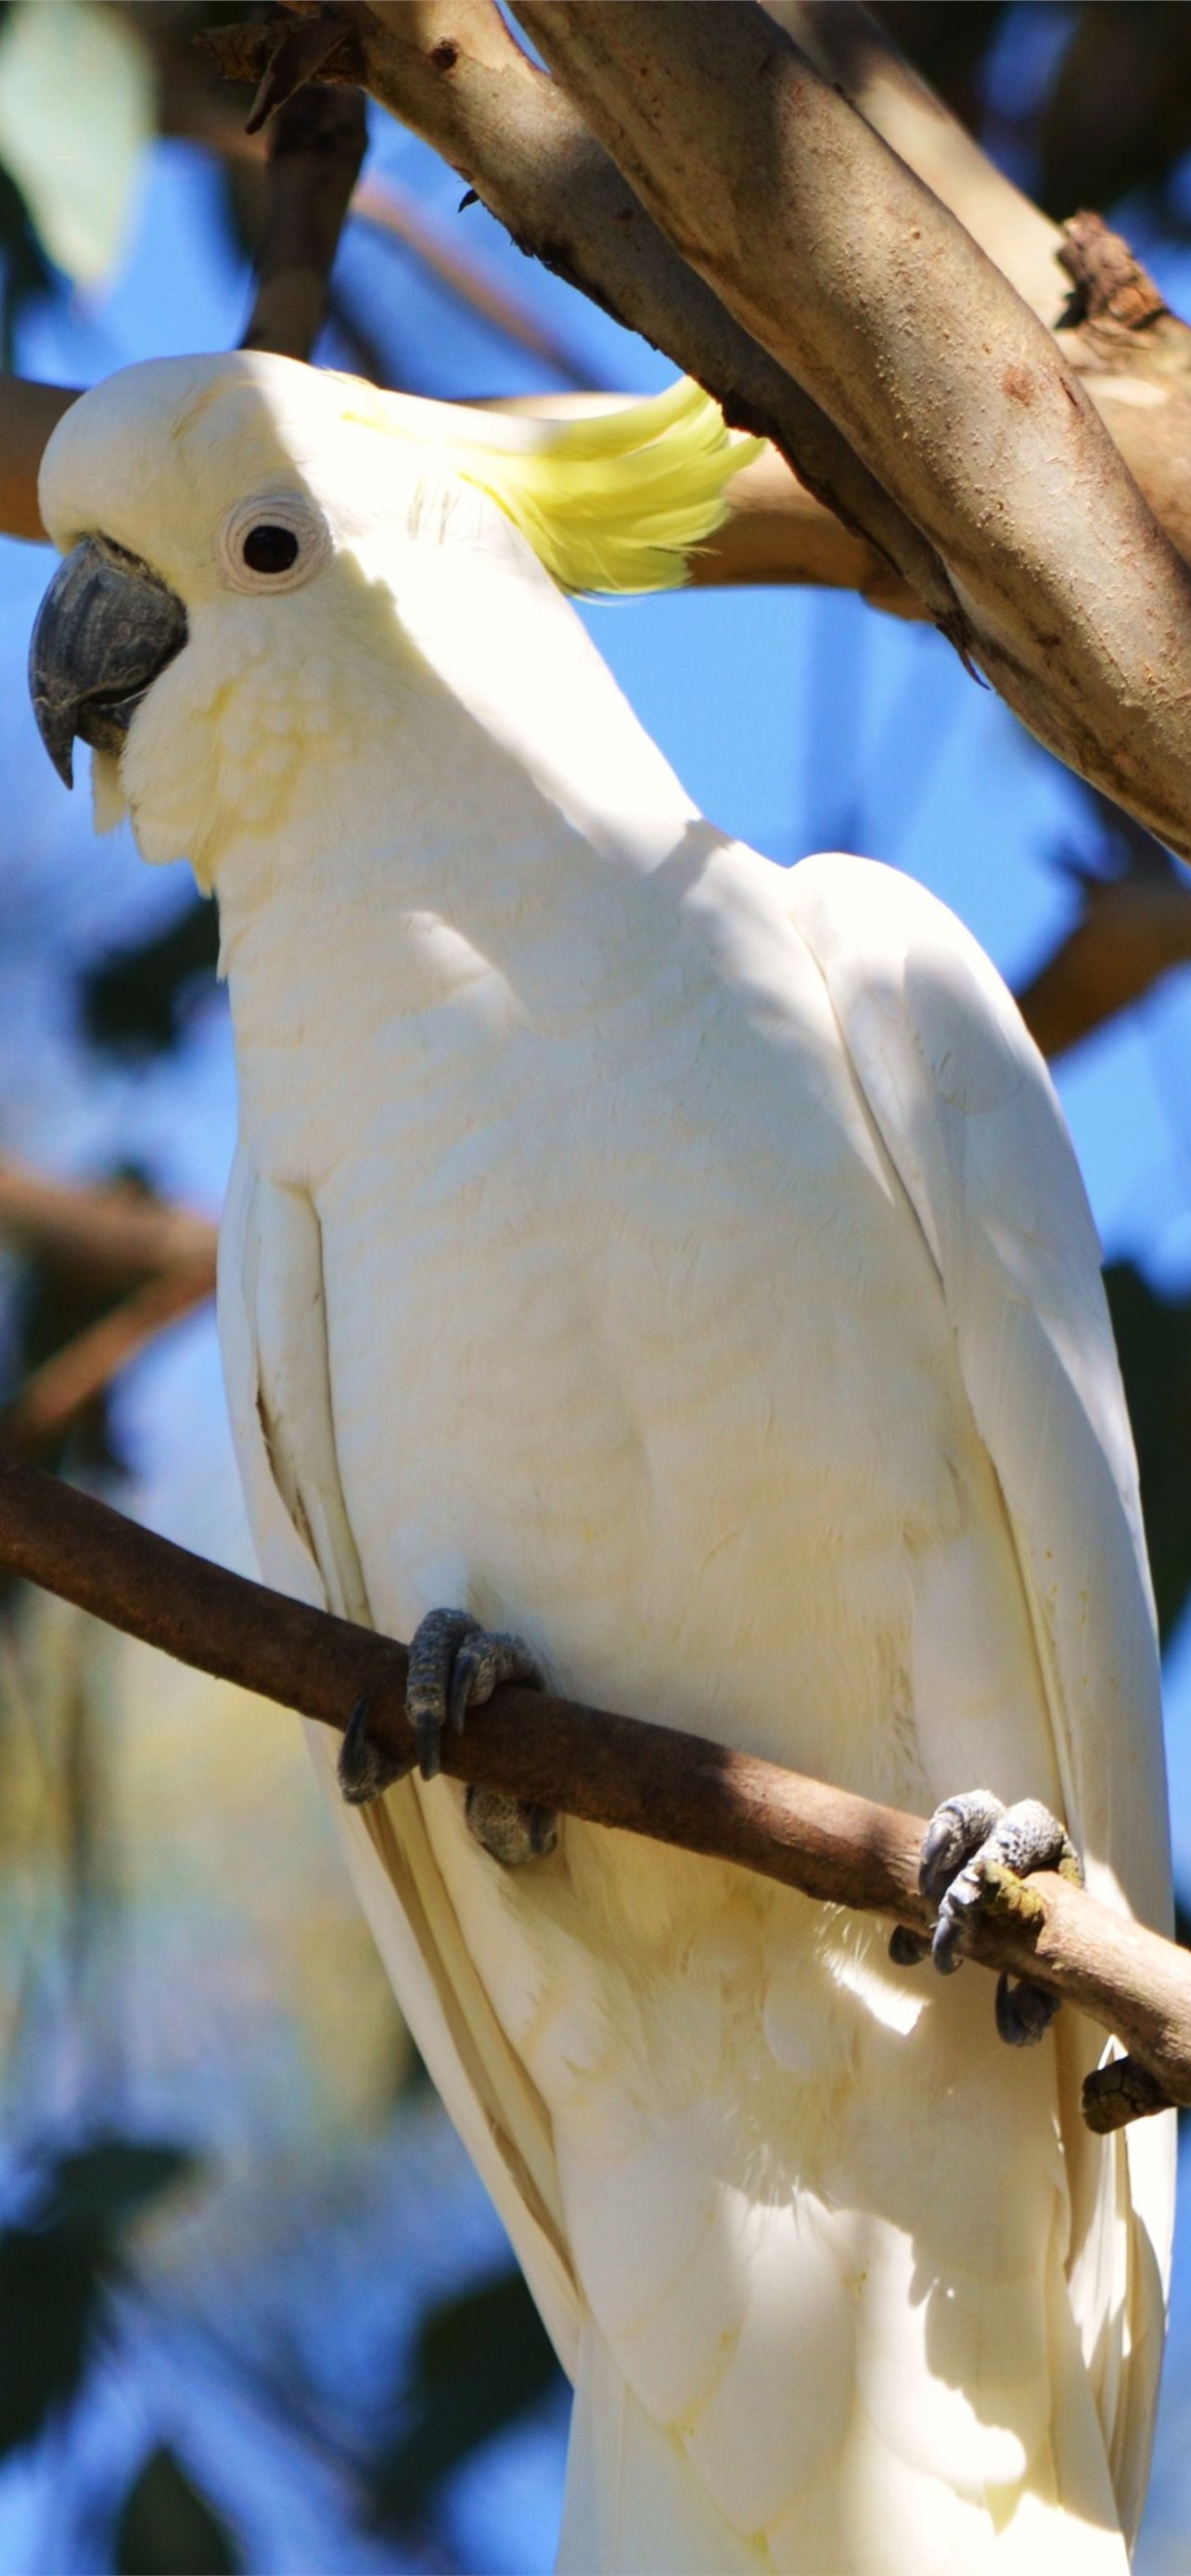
(105, 629)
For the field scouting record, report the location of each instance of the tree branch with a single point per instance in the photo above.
(1134, 930)
(112, 1237)
(611, 1770)
(860, 283)
(316, 144)
(118, 1239)
(28, 413)
(54, 1395)
(853, 50)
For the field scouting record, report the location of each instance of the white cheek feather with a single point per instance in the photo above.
(109, 804)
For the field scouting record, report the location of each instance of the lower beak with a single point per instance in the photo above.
(105, 630)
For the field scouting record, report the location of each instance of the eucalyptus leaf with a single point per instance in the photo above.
(481, 2360)
(135, 999)
(55, 2268)
(1154, 1342)
(76, 112)
(167, 2527)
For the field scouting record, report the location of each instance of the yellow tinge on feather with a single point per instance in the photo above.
(611, 501)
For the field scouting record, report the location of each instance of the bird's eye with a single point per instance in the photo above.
(270, 549)
(274, 541)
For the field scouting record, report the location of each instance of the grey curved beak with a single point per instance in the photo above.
(105, 630)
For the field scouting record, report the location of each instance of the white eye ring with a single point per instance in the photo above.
(276, 516)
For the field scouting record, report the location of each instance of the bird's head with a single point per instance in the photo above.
(242, 535)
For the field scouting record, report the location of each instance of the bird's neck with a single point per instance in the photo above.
(501, 813)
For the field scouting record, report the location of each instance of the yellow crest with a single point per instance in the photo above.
(610, 501)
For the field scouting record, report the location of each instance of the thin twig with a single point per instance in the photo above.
(613, 1771)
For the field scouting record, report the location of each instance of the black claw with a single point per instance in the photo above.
(509, 1830)
(946, 1948)
(454, 1665)
(943, 1853)
(365, 1766)
(428, 1738)
(463, 1677)
(907, 1949)
(1024, 2012)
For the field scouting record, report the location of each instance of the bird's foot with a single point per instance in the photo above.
(454, 1665)
(973, 1845)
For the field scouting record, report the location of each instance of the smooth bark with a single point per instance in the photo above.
(858, 281)
(613, 1771)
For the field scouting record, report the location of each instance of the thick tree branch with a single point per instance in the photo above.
(778, 531)
(859, 282)
(851, 48)
(614, 1771)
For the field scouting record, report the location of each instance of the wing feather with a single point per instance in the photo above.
(273, 1339)
(967, 1114)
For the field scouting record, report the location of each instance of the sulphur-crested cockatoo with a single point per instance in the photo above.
(676, 1264)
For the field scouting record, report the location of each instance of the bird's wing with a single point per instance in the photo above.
(272, 1328)
(967, 1114)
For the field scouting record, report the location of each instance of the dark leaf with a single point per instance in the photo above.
(1083, 105)
(1154, 1341)
(167, 2527)
(25, 272)
(135, 1000)
(51, 2296)
(99, 2190)
(481, 2361)
(54, 2270)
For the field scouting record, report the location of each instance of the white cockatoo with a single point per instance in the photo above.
(677, 1265)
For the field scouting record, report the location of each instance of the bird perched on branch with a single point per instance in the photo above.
(666, 1273)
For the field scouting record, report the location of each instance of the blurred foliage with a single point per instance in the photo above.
(51, 1302)
(1084, 104)
(135, 999)
(25, 272)
(77, 109)
(167, 2527)
(1154, 1340)
(480, 2361)
(56, 2266)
